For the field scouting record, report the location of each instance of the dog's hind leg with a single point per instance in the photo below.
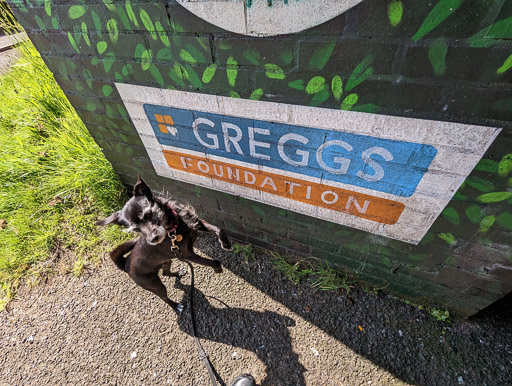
(152, 283)
(166, 271)
(225, 243)
(117, 255)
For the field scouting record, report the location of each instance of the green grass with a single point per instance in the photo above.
(54, 180)
(246, 251)
(320, 275)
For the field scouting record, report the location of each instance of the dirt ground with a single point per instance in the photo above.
(103, 329)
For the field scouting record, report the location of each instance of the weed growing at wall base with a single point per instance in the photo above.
(54, 180)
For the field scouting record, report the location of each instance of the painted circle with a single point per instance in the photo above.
(267, 17)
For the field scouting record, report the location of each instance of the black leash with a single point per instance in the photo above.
(202, 354)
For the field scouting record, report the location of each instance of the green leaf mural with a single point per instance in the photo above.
(76, 11)
(486, 223)
(362, 72)
(337, 87)
(349, 102)
(256, 94)
(209, 73)
(155, 72)
(441, 11)
(273, 71)
(395, 12)
(489, 36)
(506, 66)
(451, 215)
(437, 56)
(112, 30)
(321, 56)
(315, 85)
(298, 84)
(494, 197)
(232, 71)
(505, 165)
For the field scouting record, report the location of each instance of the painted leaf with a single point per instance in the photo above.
(88, 77)
(437, 56)
(349, 102)
(193, 78)
(55, 23)
(505, 220)
(108, 61)
(315, 85)
(505, 165)
(101, 46)
(73, 43)
(124, 18)
(253, 56)
(186, 56)
(273, 71)
(287, 57)
(337, 87)
(109, 5)
(298, 84)
(209, 73)
(203, 43)
(176, 74)
(395, 11)
(234, 94)
(367, 108)
(490, 35)
(164, 55)
(146, 20)
(487, 165)
(360, 73)
(320, 97)
(107, 90)
(256, 94)
(451, 215)
(48, 7)
(439, 13)
(162, 34)
(506, 66)
(131, 14)
(96, 21)
(482, 185)
(486, 223)
(76, 11)
(112, 30)
(475, 213)
(147, 58)
(448, 237)
(321, 56)
(85, 34)
(494, 197)
(232, 71)
(155, 72)
(195, 53)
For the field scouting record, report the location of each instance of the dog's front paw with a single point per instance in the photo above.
(225, 243)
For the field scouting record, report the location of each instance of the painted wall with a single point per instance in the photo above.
(437, 72)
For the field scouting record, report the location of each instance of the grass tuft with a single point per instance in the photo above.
(54, 181)
(320, 274)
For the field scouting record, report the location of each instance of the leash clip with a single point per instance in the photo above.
(175, 238)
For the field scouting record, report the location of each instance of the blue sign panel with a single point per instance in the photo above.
(384, 165)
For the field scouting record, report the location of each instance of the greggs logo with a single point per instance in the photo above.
(295, 162)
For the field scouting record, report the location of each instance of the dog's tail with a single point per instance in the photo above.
(117, 255)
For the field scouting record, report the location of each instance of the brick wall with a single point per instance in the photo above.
(445, 60)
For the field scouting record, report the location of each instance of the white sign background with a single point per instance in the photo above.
(260, 19)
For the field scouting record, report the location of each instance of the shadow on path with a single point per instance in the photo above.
(264, 333)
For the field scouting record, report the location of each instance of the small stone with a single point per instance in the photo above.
(134, 354)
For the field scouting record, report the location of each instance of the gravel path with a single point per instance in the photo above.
(103, 329)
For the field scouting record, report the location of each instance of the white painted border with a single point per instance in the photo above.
(262, 20)
(459, 146)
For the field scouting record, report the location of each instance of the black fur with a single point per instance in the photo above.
(154, 218)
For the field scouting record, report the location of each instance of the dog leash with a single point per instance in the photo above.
(202, 354)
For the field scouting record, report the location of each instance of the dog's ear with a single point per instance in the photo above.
(141, 189)
(113, 218)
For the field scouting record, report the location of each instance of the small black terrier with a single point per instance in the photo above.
(163, 225)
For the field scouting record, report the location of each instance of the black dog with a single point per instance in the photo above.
(161, 224)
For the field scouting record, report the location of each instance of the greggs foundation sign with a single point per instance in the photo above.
(387, 175)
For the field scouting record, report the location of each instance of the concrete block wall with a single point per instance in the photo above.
(446, 60)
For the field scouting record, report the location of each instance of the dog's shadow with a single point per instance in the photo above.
(264, 333)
